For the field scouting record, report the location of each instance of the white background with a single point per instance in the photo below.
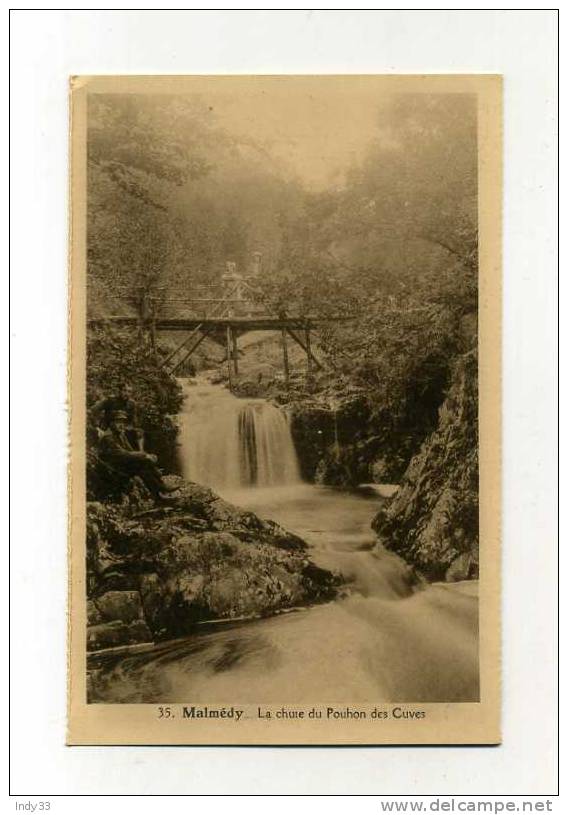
(49, 46)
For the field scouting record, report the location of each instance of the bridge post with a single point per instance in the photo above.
(285, 357)
(152, 321)
(235, 352)
(229, 357)
(309, 351)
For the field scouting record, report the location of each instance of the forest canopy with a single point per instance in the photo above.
(172, 197)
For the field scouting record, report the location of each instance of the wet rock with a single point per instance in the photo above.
(385, 469)
(222, 516)
(94, 617)
(338, 440)
(313, 431)
(433, 519)
(215, 574)
(116, 633)
(119, 605)
(226, 592)
(196, 559)
(118, 578)
(464, 567)
(151, 595)
(318, 581)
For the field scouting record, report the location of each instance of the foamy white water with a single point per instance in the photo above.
(228, 443)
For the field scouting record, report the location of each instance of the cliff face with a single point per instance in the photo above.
(432, 521)
(154, 572)
(341, 443)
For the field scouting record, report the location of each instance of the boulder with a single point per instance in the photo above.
(94, 616)
(464, 567)
(119, 605)
(221, 516)
(117, 633)
(197, 558)
(151, 594)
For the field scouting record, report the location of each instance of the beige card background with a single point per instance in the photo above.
(444, 723)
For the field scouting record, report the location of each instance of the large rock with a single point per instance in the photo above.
(151, 594)
(119, 605)
(343, 441)
(222, 516)
(313, 431)
(433, 520)
(464, 567)
(117, 633)
(198, 558)
(215, 574)
(94, 616)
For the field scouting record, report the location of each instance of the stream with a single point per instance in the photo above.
(387, 640)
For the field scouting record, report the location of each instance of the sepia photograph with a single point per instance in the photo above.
(285, 402)
(283, 409)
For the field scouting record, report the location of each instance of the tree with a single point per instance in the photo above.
(172, 196)
(396, 245)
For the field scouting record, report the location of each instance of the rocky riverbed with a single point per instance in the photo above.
(154, 572)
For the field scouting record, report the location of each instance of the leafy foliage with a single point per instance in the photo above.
(395, 247)
(116, 356)
(172, 197)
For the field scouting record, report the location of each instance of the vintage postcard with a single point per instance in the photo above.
(285, 410)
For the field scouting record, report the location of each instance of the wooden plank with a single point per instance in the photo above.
(309, 351)
(259, 323)
(303, 345)
(182, 345)
(193, 348)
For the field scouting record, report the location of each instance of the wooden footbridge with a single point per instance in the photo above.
(222, 320)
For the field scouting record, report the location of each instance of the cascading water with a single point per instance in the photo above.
(384, 641)
(230, 443)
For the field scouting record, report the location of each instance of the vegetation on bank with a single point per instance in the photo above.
(114, 357)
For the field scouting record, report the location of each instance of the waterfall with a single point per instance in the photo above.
(233, 443)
